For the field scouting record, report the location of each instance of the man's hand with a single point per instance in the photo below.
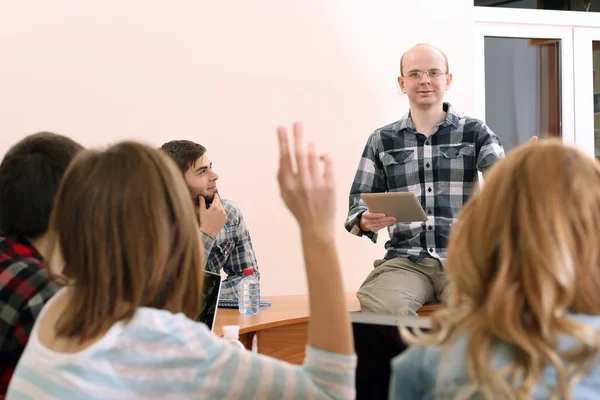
(212, 220)
(373, 222)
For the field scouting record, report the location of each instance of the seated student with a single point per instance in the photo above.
(227, 243)
(523, 319)
(125, 325)
(29, 177)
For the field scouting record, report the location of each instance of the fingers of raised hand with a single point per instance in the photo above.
(328, 173)
(313, 163)
(285, 159)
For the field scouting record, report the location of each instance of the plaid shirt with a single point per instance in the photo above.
(441, 170)
(231, 250)
(24, 289)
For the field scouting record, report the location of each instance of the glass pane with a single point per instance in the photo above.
(596, 55)
(569, 5)
(522, 88)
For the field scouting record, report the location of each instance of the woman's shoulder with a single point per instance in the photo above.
(156, 329)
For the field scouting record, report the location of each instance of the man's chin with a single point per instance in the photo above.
(209, 197)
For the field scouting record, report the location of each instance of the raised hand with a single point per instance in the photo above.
(213, 219)
(309, 191)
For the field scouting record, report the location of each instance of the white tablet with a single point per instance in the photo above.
(403, 206)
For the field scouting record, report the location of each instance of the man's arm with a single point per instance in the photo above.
(369, 178)
(208, 242)
(489, 148)
(241, 257)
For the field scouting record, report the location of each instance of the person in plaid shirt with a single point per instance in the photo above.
(434, 153)
(30, 174)
(226, 239)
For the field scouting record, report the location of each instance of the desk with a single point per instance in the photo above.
(281, 329)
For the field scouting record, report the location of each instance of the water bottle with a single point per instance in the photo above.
(249, 293)
(231, 333)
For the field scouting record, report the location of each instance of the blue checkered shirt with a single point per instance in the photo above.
(440, 170)
(231, 251)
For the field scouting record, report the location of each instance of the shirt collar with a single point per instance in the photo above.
(452, 118)
(21, 240)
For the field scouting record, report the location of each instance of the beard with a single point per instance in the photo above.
(195, 193)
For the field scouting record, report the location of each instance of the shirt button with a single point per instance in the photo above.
(427, 165)
(427, 143)
(429, 212)
(431, 249)
(430, 227)
(429, 190)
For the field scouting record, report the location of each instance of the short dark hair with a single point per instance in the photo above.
(30, 175)
(185, 153)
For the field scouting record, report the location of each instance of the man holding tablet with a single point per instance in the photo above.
(435, 154)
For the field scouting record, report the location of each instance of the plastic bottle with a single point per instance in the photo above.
(249, 293)
(231, 333)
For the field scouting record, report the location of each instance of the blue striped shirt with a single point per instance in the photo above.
(160, 355)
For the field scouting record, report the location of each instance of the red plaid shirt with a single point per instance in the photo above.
(24, 289)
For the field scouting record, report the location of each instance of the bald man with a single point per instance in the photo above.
(434, 153)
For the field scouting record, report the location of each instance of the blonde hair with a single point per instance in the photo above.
(522, 256)
(125, 227)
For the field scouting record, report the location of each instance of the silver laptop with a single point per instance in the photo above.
(211, 291)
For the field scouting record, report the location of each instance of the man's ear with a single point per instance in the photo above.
(448, 81)
(401, 84)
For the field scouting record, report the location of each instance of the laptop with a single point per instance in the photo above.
(211, 291)
(377, 341)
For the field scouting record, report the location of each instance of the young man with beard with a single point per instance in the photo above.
(227, 243)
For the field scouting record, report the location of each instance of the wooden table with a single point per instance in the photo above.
(281, 329)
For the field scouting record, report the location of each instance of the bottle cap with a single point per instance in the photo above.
(231, 332)
(249, 271)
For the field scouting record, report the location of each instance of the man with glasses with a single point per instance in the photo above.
(434, 153)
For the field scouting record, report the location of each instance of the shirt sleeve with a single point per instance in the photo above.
(369, 178)
(254, 376)
(406, 382)
(489, 148)
(241, 257)
(208, 242)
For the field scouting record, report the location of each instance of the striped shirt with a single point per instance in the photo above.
(231, 251)
(160, 355)
(441, 170)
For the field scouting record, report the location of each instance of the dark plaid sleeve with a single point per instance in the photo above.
(26, 288)
(489, 148)
(369, 178)
(241, 255)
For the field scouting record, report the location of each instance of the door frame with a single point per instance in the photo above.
(584, 79)
(575, 30)
(564, 34)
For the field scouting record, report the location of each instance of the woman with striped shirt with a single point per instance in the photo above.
(123, 327)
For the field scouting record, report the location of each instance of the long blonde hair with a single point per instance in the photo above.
(125, 226)
(523, 255)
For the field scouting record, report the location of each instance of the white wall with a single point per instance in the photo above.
(225, 74)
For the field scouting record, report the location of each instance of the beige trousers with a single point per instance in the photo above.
(400, 286)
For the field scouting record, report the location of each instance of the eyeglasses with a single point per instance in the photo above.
(433, 74)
